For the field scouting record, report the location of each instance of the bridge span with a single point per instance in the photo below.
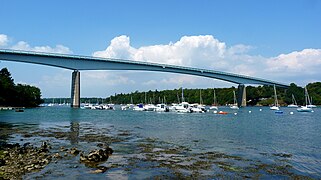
(78, 63)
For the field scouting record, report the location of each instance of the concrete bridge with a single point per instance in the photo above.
(77, 63)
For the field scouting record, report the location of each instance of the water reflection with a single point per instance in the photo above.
(74, 125)
(74, 132)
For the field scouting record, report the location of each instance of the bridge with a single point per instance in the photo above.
(77, 63)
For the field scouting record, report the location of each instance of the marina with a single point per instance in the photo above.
(160, 90)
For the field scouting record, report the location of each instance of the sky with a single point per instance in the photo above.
(270, 39)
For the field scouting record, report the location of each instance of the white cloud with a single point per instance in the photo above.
(119, 48)
(205, 51)
(301, 67)
(200, 51)
(21, 45)
(3, 40)
(307, 61)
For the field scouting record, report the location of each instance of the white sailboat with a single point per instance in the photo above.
(214, 106)
(294, 104)
(198, 108)
(306, 108)
(234, 106)
(311, 104)
(276, 102)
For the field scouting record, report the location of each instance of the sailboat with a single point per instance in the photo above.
(198, 108)
(311, 104)
(306, 108)
(214, 106)
(276, 102)
(234, 106)
(183, 106)
(294, 104)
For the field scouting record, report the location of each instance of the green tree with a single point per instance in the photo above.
(7, 88)
(17, 95)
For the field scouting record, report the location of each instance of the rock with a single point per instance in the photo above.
(101, 145)
(44, 147)
(101, 169)
(74, 151)
(57, 156)
(97, 155)
(63, 149)
(26, 144)
(83, 157)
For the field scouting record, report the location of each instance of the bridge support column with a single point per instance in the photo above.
(241, 95)
(75, 89)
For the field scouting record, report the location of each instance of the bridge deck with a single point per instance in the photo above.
(76, 62)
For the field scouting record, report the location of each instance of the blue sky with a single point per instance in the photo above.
(278, 40)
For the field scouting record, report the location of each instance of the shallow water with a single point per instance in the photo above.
(253, 143)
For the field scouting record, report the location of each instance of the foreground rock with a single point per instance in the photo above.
(17, 160)
(96, 156)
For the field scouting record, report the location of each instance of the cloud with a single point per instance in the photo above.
(198, 51)
(21, 45)
(119, 48)
(307, 61)
(3, 40)
(205, 51)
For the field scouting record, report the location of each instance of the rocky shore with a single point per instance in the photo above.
(17, 160)
(63, 152)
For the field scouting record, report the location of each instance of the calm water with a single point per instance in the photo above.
(147, 144)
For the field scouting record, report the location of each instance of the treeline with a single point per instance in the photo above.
(17, 95)
(261, 95)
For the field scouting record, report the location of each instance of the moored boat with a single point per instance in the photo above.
(294, 104)
(306, 108)
(161, 108)
(139, 107)
(234, 105)
(214, 105)
(276, 102)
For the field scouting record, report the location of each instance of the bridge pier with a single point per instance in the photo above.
(241, 95)
(75, 89)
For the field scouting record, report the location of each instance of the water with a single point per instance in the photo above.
(149, 144)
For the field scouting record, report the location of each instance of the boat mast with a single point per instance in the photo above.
(214, 98)
(307, 97)
(200, 96)
(293, 100)
(183, 100)
(275, 97)
(234, 97)
(177, 97)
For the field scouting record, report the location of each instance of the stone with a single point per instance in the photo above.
(97, 155)
(74, 151)
(57, 155)
(101, 169)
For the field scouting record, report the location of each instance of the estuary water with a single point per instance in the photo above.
(251, 142)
